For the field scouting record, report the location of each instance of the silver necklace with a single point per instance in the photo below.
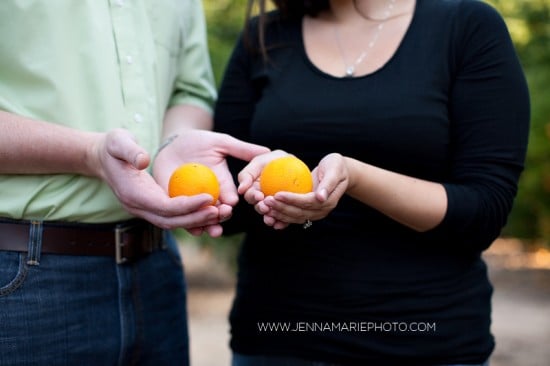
(350, 69)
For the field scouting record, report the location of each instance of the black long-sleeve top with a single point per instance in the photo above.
(450, 106)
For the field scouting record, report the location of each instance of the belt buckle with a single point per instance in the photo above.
(119, 242)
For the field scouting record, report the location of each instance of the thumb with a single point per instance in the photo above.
(248, 175)
(122, 145)
(321, 194)
(252, 171)
(327, 182)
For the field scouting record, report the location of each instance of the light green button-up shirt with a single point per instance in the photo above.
(96, 65)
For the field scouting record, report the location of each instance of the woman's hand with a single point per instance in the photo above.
(330, 179)
(249, 177)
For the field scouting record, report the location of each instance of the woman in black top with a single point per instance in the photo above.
(414, 116)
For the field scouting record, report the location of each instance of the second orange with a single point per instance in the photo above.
(288, 174)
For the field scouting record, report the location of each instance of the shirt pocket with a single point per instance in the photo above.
(165, 17)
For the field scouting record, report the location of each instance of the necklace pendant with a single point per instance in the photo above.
(350, 70)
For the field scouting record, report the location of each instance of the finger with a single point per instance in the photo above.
(139, 192)
(294, 218)
(279, 225)
(181, 205)
(185, 222)
(262, 208)
(275, 224)
(253, 196)
(282, 200)
(179, 217)
(288, 213)
(197, 231)
(241, 149)
(228, 191)
(225, 219)
(214, 231)
(249, 196)
(225, 212)
(269, 221)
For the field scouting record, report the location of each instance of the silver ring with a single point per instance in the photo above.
(307, 224)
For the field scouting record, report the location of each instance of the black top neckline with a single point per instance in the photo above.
(385, 65)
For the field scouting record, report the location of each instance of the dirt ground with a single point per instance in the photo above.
(521, 305)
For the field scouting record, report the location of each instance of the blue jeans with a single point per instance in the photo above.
(85, 310)
(246, 360)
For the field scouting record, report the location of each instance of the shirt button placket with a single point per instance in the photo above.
(134, 70)
(138, 118)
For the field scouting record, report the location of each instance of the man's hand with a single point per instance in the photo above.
(121, 163)
(208, 148)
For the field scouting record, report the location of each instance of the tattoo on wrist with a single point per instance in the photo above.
(165, 143)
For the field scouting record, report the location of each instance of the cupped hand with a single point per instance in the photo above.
(119, 161)
(211, 149)
(208, 148)
(331, 179)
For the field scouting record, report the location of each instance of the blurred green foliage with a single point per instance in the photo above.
(529, 25)
(225, 20)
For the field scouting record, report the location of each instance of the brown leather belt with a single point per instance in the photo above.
(125, 241)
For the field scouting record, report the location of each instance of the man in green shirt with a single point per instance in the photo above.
(88, 92)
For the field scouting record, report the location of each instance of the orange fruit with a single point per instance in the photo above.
(288, 174)
(194, 178)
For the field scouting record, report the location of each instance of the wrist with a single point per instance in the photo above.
(351, 168)
(91, 161)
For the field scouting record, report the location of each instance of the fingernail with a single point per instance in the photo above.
(137, 158)
(225, 218)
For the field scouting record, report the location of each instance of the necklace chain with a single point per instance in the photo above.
(350, 69)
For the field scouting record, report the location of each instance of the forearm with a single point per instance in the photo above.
(416, 203)
(183, 117)
(29, 146)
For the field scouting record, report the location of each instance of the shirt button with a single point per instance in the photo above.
(120, 3)
(129, 59)
(138, 118)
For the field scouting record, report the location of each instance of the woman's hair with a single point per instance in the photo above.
(288, 9)
(293, 8)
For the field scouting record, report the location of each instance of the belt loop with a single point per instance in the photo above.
(35, 243)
